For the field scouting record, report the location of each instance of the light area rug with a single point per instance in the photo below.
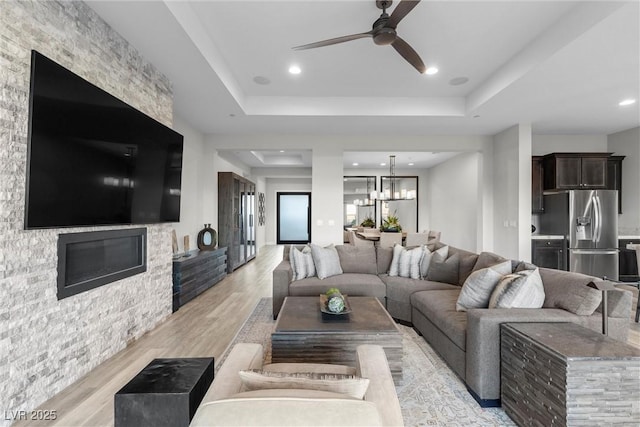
(430, 393)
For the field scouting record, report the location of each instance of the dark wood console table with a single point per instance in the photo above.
(197, 272)
(564, 374)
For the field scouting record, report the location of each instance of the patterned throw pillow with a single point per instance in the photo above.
(523, 289)
(406, 262)
(476, 290)
(350, 385)
(302, 263)
(326, 261)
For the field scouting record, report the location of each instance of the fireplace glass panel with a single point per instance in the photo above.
(91, 259)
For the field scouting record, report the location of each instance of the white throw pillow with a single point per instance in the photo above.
(523, 289)
(394, 268)
(350, 385)
(326, 261)
(440, 255)
(302, 263)
(406, 262)
(476, 290)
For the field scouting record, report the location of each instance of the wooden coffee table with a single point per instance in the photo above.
(303, 334)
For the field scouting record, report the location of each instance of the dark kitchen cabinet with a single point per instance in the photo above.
(575, 171)
(549, 253)
(627, 264)
(537, 185)
(614, 177)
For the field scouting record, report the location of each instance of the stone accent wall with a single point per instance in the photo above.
(46, 344)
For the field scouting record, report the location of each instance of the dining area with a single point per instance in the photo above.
(362, 236)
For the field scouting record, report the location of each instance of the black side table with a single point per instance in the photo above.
(166, 392)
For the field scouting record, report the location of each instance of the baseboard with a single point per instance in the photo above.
(485, 403)
(404, 323)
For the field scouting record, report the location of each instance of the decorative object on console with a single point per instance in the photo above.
(207, 238)
(174, 242)
(186, 245)
(368, 222)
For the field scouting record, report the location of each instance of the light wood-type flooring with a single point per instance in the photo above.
(203, 327)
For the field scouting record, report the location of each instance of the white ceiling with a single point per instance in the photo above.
(562, 66)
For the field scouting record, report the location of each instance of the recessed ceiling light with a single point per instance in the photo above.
(476, 116)
(232, 115)
(354, 164)
(294, 69)
(383, 164)
(261, 80)
(282, 151)
(627, 102)
(431, 71)
(410, 164)
(457, 81)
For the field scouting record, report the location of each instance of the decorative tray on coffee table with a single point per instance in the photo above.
(323, 305)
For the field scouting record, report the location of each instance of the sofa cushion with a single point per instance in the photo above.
(439, 306)
(401, 288)
(518, 290)
(326, 260)
(357, 259)
(278, 411)
(349, 385)
(440, 255)
(353, 284)
(477, 289)
(302, 263)
(384, 256)
(446, 271)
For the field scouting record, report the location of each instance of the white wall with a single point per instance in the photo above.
(545, 144)
(627, 143)
(193, 186)
(452, 200)
(512, 192)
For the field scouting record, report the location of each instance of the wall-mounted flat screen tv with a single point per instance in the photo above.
(93, 159)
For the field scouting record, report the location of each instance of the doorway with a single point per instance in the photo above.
(294, 218)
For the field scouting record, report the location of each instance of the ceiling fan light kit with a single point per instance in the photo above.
(383, 32)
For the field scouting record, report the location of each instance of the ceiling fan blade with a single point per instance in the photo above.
(401, 10)
(407, 52)
(334, 41)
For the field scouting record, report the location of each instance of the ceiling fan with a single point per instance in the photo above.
(383, 32)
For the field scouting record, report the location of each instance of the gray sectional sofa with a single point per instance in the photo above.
(468, 341)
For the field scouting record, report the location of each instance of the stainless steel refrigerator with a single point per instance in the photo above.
(589, 221)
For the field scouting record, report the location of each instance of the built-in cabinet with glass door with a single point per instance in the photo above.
(236, 218)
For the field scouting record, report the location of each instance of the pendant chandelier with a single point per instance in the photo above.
(395, 190)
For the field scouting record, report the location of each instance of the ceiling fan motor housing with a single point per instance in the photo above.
(384, 36)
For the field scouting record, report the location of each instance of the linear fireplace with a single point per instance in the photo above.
(90, 259)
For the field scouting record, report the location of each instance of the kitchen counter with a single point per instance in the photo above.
(546, 237)
(629, 237)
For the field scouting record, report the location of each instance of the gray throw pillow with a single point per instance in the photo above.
(518, 290)
(476, 290)
(326, 260)
(583, 301)
(440, 256)
(445, 271)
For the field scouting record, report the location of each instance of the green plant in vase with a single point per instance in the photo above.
(391, 223)
(368, 222)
